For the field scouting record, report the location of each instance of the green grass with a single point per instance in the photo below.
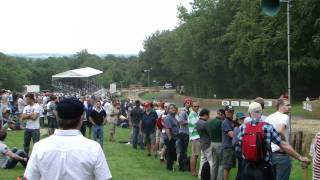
(126, 163)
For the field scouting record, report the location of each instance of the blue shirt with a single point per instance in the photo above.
(170, 122)
(227, 125)
(183, 121)
(149, 122)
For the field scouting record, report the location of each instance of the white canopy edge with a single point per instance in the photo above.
(78, 73)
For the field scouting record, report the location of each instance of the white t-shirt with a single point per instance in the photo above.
(32, 124)
(21, 105)
(276, 119)
(106, 106)
(159, 112)
(3, 158)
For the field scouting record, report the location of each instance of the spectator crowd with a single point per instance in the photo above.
(257, 145)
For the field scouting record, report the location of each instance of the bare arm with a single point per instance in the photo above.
(91, 120)
(25, 116)
(34, 116)
(14, 156)
(290, 151)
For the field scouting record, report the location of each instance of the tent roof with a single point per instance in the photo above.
(78, 73)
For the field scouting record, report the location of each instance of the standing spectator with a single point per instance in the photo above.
(8, 158)
(172, 128)
(148, 127)
(136, 118)
(228, 154)
(259, 167)
(194, 137)
(84, 125)
(67, 154)
(98, 119)
(31, 114)
(52, 114)
(114, 112)
(43, 110)
(259, 100)
(183, 136)
(235, 142)
(88, 108)
(280, 121)
(21, 104)
(160, 111)
(215, 130)
(205, 142)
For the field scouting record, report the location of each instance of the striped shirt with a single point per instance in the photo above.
(270, 135)
(316, 159)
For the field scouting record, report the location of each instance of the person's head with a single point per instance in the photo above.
(195, 106)
(255, 110)
(204, 114)
(70, 111)
(137, 103)
(147, 106)
(114, 102)
(53, 98)
(283, 106)
(3, 134)
(166, 106)
(30, 99)
(260, 100)
(240, 116)
(161, 105)
(173, 109)
(229, 111)
(98, 104)
(187, 102)
(221, 114)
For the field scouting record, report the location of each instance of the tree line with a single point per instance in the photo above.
(229, 48)
(225, 48)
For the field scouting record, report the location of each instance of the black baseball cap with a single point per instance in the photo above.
(229, 108)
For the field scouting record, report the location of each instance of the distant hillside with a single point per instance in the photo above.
(46, 55)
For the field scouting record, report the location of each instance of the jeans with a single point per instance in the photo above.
(135, 138)
(182, 146)
(11, 163)
(282, 164)
(171, 153)
(28, 134)
(98, 134)
(217, 166)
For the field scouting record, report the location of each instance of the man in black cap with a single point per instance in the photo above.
(228, 154)
(67, 154)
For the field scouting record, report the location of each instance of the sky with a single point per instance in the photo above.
(68, 26)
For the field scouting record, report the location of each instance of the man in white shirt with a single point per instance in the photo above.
(31, 114)
(67, 155)
(280, 121)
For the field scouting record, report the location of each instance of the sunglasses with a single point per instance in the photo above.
(196, 106)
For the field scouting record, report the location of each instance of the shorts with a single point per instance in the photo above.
(149, 138)
(228, 158)
(195, 147)
(112, 128)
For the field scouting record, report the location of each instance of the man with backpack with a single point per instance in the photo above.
(136, 117)
(183, 136)
(255, 139)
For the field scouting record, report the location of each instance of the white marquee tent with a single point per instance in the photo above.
(77, 73)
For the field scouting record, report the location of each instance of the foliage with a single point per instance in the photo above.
(231, 49)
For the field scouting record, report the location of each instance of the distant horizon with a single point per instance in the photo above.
(46, 55)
